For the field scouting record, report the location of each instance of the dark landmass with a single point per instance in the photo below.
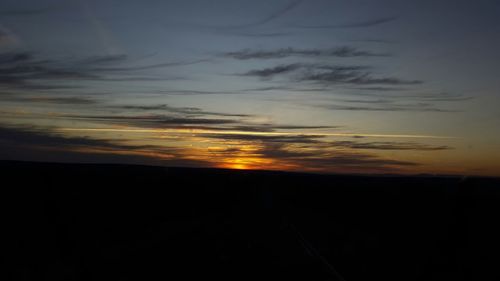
(121, 222)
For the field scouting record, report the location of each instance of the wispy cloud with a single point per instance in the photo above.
(146, 67)
(224, 131)
(63, 100)
(372, 40)
(371, 95)
(153, 120)
(270, 72)
(330, 74)
(377, 101)
(353, 77)
(193, 111)
(441, 97)
(261, 34)
(197, 92)
(417, 107)
(190, 119)
(266, 138)
(361, 24)
(23, 70)
(279, 12)
(343, 51)
(264, 147)
(310, 152)
(295, 152)
(43, 137)
(44, 144)
(379, 89)
(271, 16)
(390, 146)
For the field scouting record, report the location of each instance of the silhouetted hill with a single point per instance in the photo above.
(121, 222)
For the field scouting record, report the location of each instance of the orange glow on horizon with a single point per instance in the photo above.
(236, 166)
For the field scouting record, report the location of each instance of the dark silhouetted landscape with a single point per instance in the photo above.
(126, 222)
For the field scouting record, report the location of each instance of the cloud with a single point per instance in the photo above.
(352, 77)
(261, 143)
(372, 40)
(330, 74)
(390, 146)
(107, 59)
(311, 153)
(179, 110)
(6, 58)
(344, 51)
(379, 89)
(299, 127)
(273, 15)
(306, 70)
(23, 70)
(378, 101)
(49, 99)
(418, 107)
(156, 121)
(191, 119)
(441, 97)
(43, 138)
(266, 138)
(269, 72)
(41, 144)
(279, 12)
(385, 95)
(361, 24)
(384, 104)
(262, 34)
(146, 67)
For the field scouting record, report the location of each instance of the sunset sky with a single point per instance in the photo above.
(331, 86)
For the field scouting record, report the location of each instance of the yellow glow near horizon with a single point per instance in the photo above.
(229, 132)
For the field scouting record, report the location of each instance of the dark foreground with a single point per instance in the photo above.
(112, 222)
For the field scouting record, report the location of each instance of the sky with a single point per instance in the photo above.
(328, 86)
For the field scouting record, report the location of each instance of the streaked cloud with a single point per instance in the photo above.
(361, 24)
(390, 146)
(152, 120)
(420, 107)
(266, 138)
(278, 12)
(342, 52)
(309, 152)
(270, 72)
(247, 150)
(24, 70)
(330, 74)
(261, 34)
(36, 143)
(63, 100)
(255, 132)
(42, 137)
(179, 110)
(271, 16)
